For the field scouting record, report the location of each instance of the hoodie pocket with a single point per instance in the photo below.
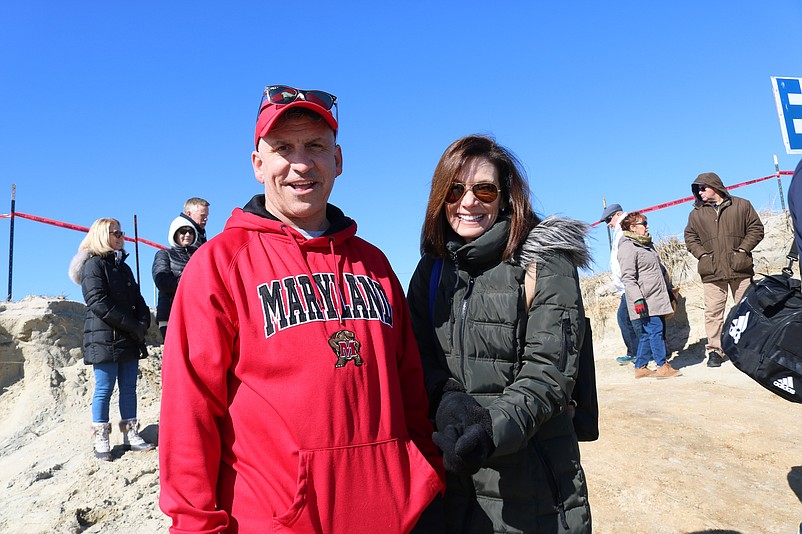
(377, 487)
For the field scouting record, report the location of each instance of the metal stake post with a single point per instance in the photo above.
(11, 242)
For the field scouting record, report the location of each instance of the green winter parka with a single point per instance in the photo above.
(518, 363)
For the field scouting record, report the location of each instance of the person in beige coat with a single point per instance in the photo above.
(647, 292)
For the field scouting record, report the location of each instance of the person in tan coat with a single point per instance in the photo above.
(647, 292)
(722, 230)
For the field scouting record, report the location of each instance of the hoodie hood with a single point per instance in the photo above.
(709, 179)
(557, 235)
(180, 222)
(255, 218)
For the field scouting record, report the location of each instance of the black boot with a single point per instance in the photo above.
(714, 359)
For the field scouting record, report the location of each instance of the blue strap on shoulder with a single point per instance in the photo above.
(434, 281)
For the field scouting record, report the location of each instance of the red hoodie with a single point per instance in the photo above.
(285, 407)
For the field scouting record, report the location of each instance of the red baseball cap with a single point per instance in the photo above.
(271, 112)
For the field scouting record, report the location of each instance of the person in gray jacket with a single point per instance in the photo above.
(648, 293)
(499, 370)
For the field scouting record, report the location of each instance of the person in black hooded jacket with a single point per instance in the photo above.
(117, 320)
(169, 264)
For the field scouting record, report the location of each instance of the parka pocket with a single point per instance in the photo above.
(741, 262)
(377, 487)
(706, 265)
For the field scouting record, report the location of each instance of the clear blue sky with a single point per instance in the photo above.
(115, 109)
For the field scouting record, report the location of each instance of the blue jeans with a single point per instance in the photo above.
(652, 344)
(628, 332)
(106, 374)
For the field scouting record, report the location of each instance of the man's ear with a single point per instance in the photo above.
(258, 164)
(338, 158)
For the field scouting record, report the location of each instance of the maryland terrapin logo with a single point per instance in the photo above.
(345, 347)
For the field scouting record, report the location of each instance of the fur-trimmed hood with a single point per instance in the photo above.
(77, 264)
(81, 257)
(557, 234)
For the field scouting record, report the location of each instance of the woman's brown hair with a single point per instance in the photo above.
(630, 219)
(514, 204)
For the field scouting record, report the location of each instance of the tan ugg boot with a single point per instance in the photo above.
(666, 371)
(643, 372)
(131, 437)
(102, 446)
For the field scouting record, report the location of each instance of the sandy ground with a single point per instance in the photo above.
(710, 451)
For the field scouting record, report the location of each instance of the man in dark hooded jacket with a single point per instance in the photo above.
(722, 230)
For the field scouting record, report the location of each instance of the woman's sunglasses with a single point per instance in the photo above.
(484, 192)
(118, 234)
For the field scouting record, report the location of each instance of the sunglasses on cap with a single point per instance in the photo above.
(483, 191)
(279, 95)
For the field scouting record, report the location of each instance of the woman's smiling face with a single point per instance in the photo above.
(470, 217)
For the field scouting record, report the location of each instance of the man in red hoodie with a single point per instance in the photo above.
(293, 397)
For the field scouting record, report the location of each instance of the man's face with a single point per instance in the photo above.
(615, 219)
(708, 194)
(297, 162)
(199, 215)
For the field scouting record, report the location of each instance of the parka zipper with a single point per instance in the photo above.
(559, 505)
(567, 345)
(464, 318)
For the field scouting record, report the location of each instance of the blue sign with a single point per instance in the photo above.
(788, 96)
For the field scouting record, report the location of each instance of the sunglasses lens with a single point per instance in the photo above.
(320, 98)
(485, 192)
(455, 193)
(280, 94)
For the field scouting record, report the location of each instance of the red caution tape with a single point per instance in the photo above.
(77, 227)
(692, 198)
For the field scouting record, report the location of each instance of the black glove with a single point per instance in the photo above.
(459, 409)
(140, 332)
(465, 433)
(464, 454)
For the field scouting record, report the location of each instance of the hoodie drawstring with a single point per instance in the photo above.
(337, 276)
(337, 273)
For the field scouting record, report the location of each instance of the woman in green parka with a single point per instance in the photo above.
(499, 324)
